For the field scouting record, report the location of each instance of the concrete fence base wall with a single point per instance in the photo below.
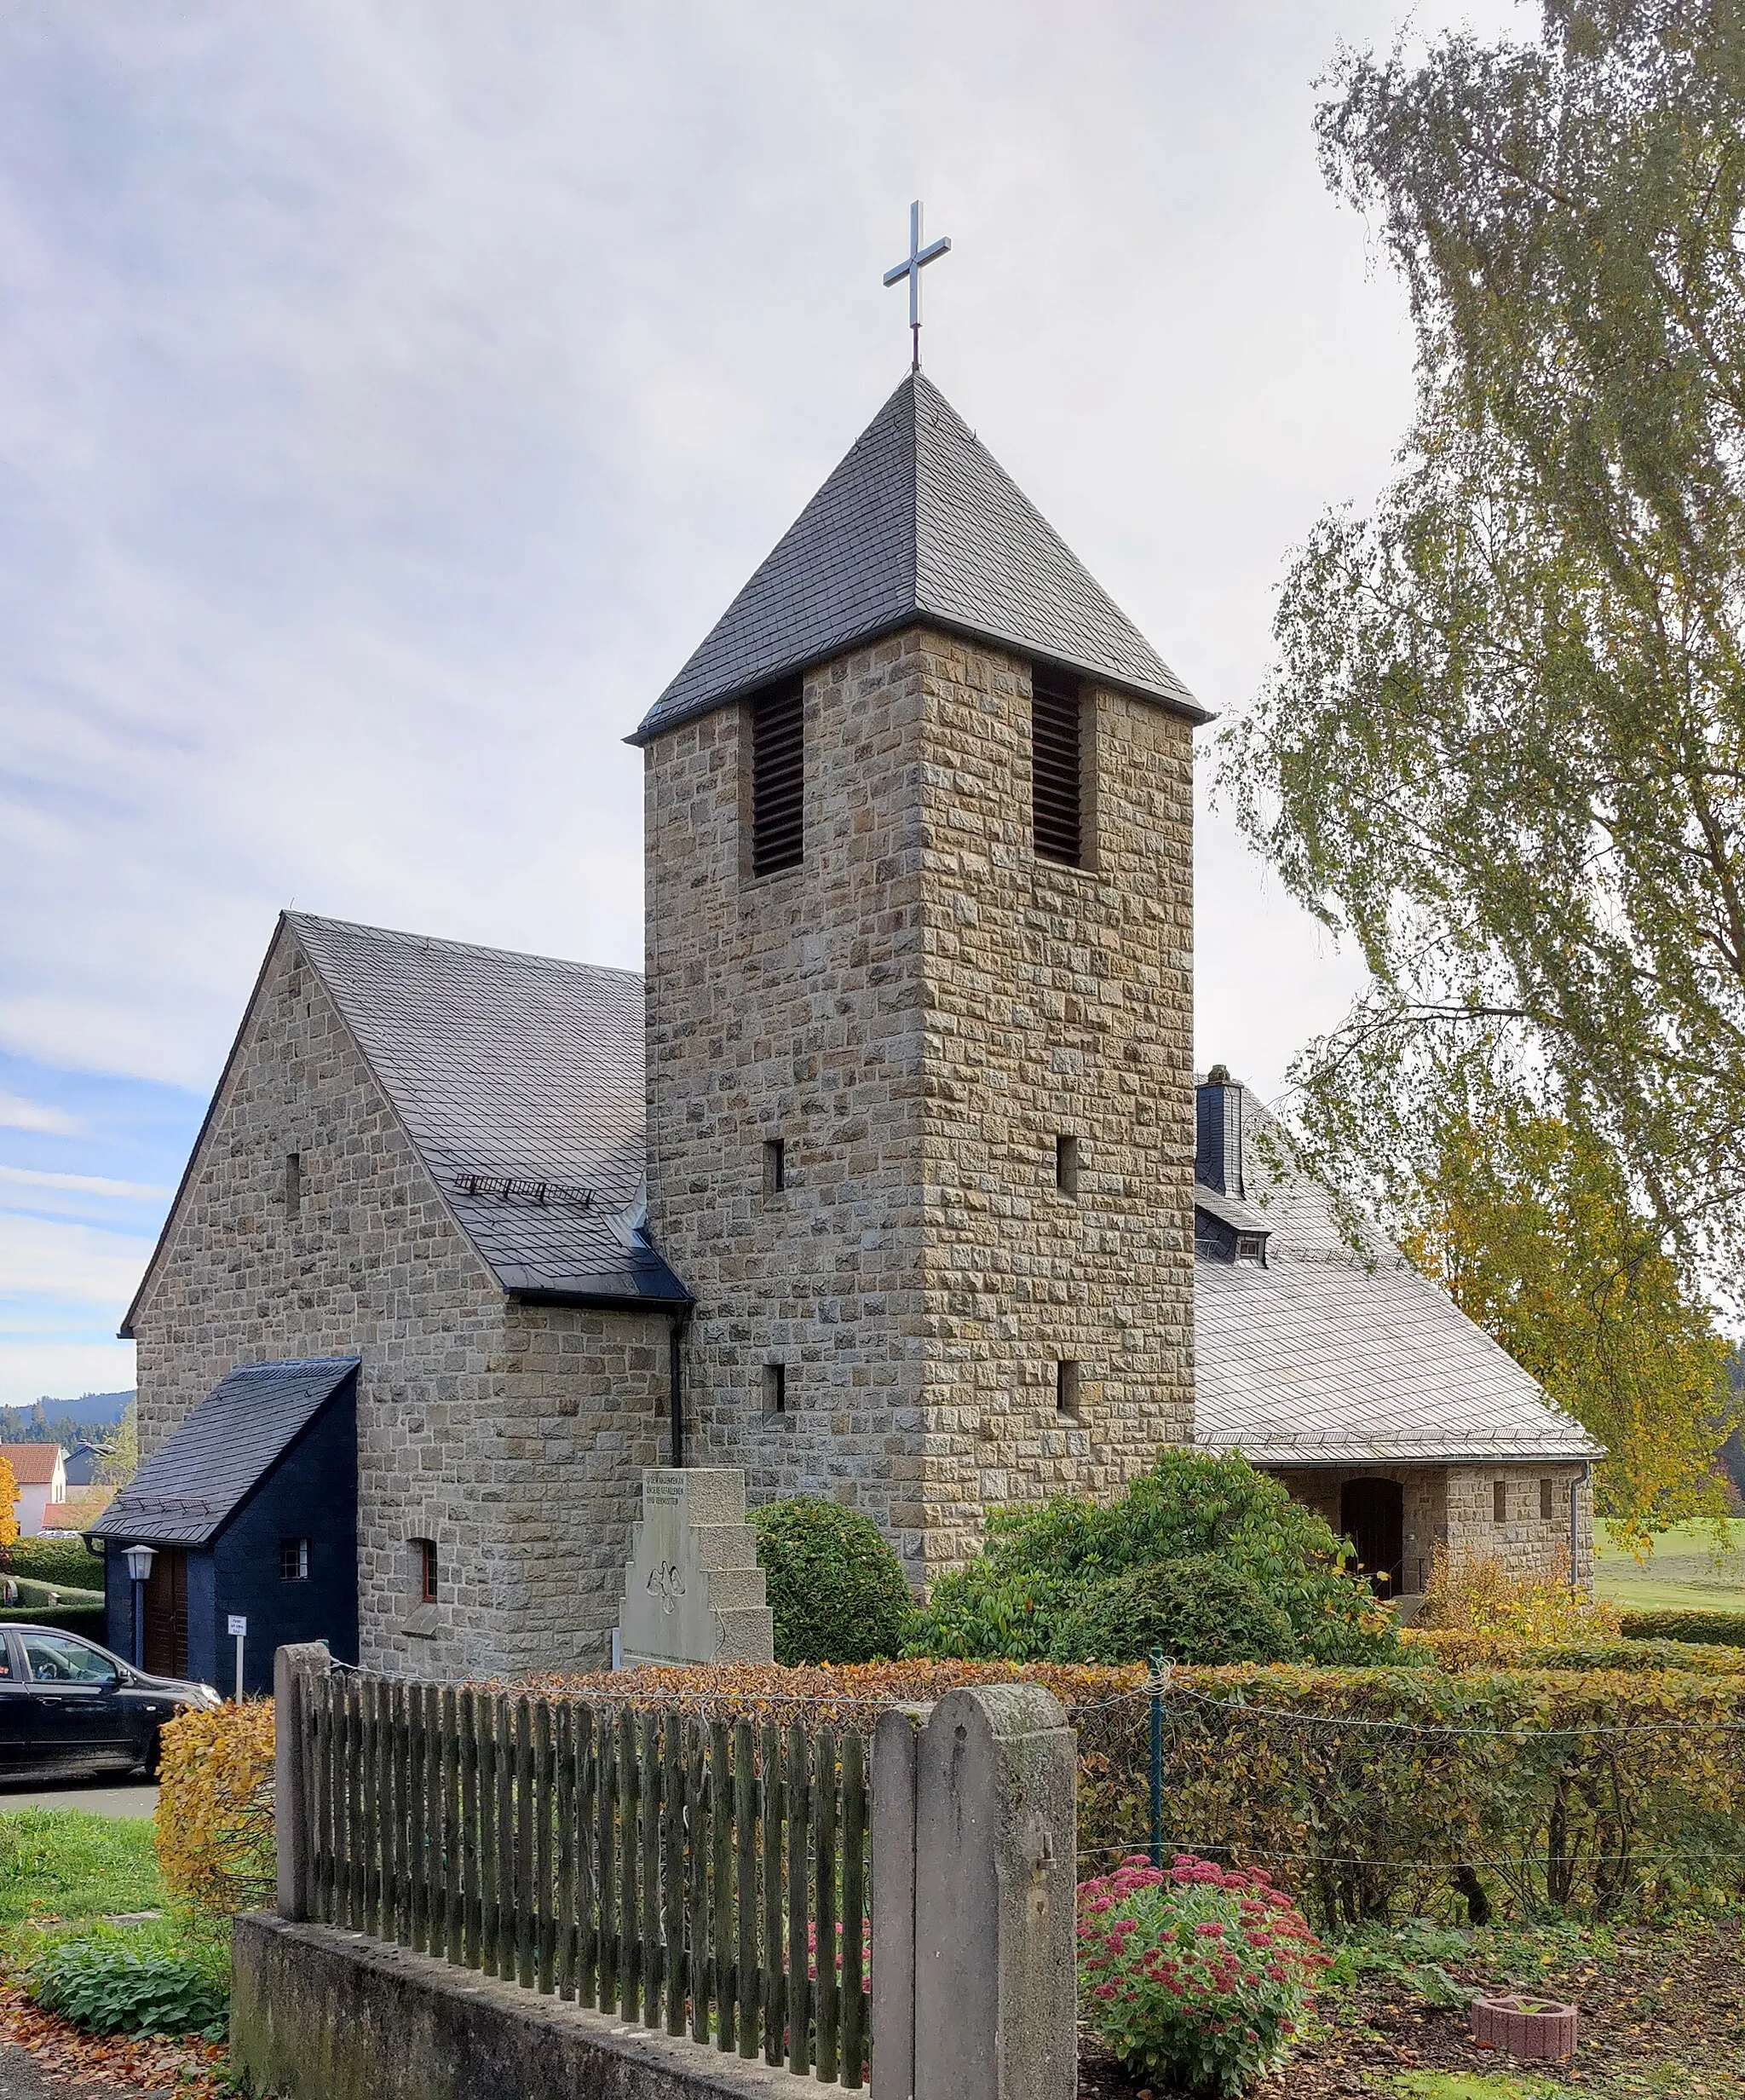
(318, 2014)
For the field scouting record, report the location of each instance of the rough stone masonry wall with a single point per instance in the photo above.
(919, 1012)
(1524, 1542)
(789, 1007)
(1059, 1003)
(512, 1437)
(1455, 1506)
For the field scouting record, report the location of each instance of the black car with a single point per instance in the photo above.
(67, 1706)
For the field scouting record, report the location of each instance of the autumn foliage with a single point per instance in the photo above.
(214, 1824)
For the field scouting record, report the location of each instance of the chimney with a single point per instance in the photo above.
(1218, 1134)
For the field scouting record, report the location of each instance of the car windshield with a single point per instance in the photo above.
(53, 1658)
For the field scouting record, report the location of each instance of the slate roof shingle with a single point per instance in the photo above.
(1332, 1355)
(206, 1468)
(919, 522)
(519, 1078)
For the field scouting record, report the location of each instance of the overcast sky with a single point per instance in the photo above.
(391, 395)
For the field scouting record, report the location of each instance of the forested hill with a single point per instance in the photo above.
(49, 1421)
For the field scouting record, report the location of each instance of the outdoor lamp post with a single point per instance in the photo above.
(139, 1561)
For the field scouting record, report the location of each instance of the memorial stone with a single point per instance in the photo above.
(693, 1592)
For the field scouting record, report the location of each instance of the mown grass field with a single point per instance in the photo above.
(1684, 1573)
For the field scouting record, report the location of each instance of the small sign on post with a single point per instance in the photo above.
(239, 1627)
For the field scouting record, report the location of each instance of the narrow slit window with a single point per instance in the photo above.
(424, 1550)
(1500, 1502)
(775, 1165)
(293, 1183)
(1066, 1391)
(1057, 767)
(1066, 1166)
(293, 1560)
(1545, 1501)
(776, 1389)
(779, 780)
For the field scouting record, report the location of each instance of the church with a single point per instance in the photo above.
(888, 1180)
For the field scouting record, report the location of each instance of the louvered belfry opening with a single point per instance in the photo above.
(778, 779)
(1056, 766)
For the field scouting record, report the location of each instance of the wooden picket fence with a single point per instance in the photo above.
(706, 1875)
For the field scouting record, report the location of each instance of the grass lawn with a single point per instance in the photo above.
(1682, 1574)
(60, 1866)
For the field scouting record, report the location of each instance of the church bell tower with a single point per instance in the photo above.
(920, 951)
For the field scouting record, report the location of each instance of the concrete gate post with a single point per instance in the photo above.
(974, 1857)
(292, 1669)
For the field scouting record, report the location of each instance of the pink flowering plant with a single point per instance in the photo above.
(1195, 1972)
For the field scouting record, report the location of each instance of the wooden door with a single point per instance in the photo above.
(166, 1614)
(1373, 1516)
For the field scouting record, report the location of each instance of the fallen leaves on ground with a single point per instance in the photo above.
(1662, 2015)
(133, 2064)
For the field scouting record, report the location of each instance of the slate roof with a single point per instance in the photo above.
(920, 522)
(205, 1470)
(1330, 1355)
(519, 1080)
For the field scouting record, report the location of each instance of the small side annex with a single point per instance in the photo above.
(251, 1508)
(1329, 1362)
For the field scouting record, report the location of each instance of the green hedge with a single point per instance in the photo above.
(1712, 1629)
(836, 1587)
(66, 1618)
(1384, 1793)
(60, 1560)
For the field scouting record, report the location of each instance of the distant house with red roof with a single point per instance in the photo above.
(40, 1470)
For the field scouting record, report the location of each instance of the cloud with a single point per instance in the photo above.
(85, 1183)
(35, 1369)
(18, 1114)
(74, 1264)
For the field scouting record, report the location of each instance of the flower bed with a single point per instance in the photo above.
(1199, 1973)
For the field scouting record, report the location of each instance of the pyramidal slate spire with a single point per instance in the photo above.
(919, 523)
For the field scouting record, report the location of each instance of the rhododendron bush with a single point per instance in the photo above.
(1199, 1973)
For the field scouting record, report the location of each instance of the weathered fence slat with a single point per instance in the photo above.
(771, 1990)
(587, 1937)
(721, 1905)
(526, 1900)
(452, 1938)
(673, 1868)
(471, 1869)
(649, 1788)
(630, 1949)
(799, 1992)
(854, 2009)
(700, 1967)
(605, 1871)
(564, 1751)
(827, 2003)
(745, 1852)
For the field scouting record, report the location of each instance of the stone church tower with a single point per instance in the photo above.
(919, 953)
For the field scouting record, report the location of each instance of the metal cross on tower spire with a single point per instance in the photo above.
(911, 266)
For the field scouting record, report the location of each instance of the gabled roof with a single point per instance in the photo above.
(918, 523)
(205, 1470)
(32, 1464)
(519, 1081)
(1333, 1355)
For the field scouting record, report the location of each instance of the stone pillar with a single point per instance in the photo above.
(693, 1591)
(974, 1857)
(292, 1669)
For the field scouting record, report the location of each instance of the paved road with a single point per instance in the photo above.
(94, 1797)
